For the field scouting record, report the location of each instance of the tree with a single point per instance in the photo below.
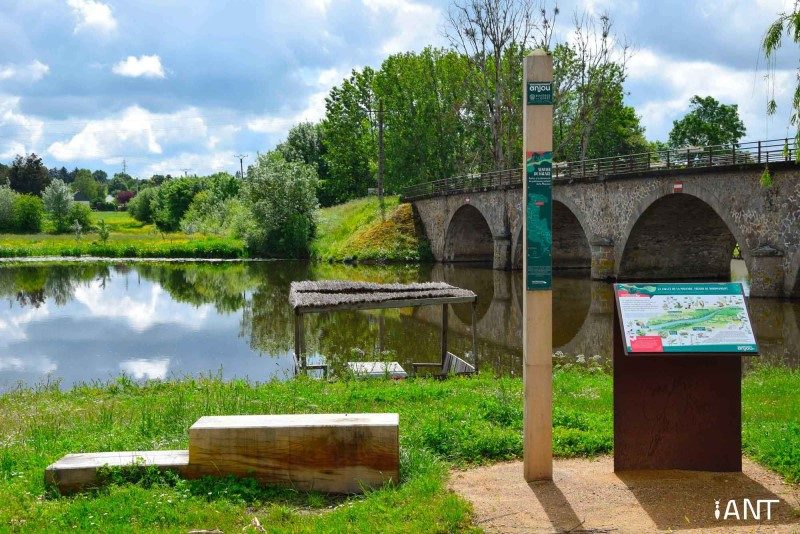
(304, 144)
(86, 185)
(57, 198)
(100, 176)
(495, 35)
(708, 123)
(349, 138)
(788, 22)
(28, 175)
(282, 198)
(3, 174)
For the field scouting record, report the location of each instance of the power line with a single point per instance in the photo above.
(241, 164)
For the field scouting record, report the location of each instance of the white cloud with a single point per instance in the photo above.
(133, 131)
(93, 15)
(679, 80)
(413, 25)
(32, 72)
(279, 124)
(140, 67)
(19, 133)
(141, 368)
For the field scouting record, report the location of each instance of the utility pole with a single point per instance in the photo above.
(124, 166)
(186, 172)
(380, 158)
(241, 164)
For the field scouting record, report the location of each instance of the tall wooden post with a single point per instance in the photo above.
(537, 370)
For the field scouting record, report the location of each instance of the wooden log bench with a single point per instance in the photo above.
(76, 472)
(336, 453)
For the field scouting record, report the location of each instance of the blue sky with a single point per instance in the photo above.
(170, 84)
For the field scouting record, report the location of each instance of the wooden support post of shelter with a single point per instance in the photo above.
(340, 295)
(537, 323)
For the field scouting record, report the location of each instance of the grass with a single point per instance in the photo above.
(356, 231)
(129, 238)
(443, 424)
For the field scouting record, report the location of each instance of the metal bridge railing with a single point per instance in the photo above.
(754, 152)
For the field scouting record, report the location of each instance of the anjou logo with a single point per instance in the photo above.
(749, 510)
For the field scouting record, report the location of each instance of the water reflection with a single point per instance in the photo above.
(93, 321)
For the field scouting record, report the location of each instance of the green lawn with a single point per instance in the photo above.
(128, 238)
(443, 424)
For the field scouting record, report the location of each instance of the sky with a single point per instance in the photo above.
(174, 86)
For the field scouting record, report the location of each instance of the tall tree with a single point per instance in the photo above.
(100, 176)
(708, 123)
(495, 35)
(86, 185)
(3, 174)
(349, 136)
(28, 175)
(787, 22)
(304, 144)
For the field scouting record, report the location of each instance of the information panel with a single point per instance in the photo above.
(706, 317)
(539, 217)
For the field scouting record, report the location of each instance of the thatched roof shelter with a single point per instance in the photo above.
(328, 295)
(334, 295)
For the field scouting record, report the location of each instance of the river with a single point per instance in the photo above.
(82, 322)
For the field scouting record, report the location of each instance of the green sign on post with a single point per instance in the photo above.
(540, 93)
(539, 220)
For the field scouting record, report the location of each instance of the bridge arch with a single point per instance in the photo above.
(468, 237)
(679, 236)
(571, 249)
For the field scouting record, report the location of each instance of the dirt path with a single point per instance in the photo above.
(587, 496)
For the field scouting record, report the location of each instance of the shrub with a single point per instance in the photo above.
(210, 215)
(57, 199)
(81, 214)
(123, 197)
(102, 205)
(173, 200)
(282, 198)
(142, 205)
(28, 213)
(7, 196)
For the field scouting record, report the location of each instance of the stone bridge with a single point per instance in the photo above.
(655, 224)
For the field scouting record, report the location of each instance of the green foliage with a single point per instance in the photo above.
(7, 196)
(173, 199)
(103, 231)
(86, 185)
(304, 144)
(788, 22)
(28, 214)
(708, 123)
(282, 198)
(57, 198)
(28, 175)
(80, 214)
(3, 174)
(142, 206)
(766, 178)
(210, 214)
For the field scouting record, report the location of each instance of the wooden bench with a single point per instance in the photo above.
(452, 365)
(336, 453)
(76, 472)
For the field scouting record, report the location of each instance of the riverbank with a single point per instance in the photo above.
(127, 238)
(357, 231)
(443, 424)
(360, 231)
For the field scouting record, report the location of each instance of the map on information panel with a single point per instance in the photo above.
(684, 318)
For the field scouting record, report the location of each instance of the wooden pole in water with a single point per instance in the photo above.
(537, 369)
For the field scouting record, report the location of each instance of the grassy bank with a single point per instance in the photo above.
(358, 231)
(354, 231)
(128, 239)
(449, 423)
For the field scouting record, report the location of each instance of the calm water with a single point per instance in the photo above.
(84, 322)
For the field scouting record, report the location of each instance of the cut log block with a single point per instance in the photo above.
(336, 453)
(75, 472)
